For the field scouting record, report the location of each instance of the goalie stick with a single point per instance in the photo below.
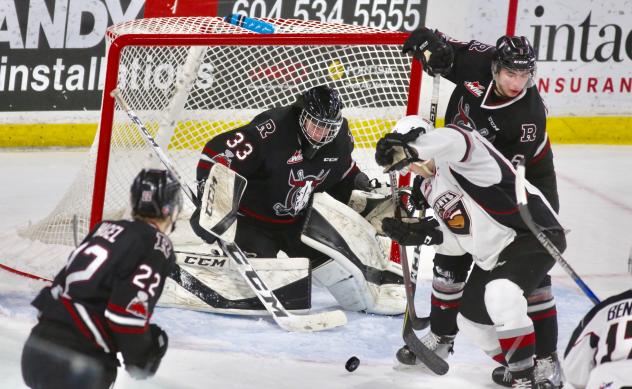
(525, 214)
(285, 319)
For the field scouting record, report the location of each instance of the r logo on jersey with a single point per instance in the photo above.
(449, 207)
(139, 306)
(266, 128)
(528, 133)
(474, 88)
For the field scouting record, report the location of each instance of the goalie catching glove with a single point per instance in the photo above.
(413, 231)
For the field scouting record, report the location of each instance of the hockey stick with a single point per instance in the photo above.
(419, 323)
(423, 353)
(525, 214)
(286, 320)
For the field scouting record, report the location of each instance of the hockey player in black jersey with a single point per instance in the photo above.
(494, 95)
(288, 154)
(101, 302)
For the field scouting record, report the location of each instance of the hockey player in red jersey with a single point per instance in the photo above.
(101, 302)
(599, 350)
(494, 95)
(288, 154)
(470, 187)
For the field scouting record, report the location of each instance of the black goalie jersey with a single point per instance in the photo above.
(109, 287)
(516, 127)
(267, 152)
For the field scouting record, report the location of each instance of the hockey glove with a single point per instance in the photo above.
(431, 49)
(160, 342)
(393, 151)
(413, 231)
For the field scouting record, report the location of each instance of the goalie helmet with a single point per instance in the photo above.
(321, 117)
(156, 194)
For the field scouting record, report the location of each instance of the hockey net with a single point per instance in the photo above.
(191, 78)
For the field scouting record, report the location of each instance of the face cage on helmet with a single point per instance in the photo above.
(330, 127)
(497, 64)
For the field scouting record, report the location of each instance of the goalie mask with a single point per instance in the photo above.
(320, 119)
(156, 194)
(514, 53)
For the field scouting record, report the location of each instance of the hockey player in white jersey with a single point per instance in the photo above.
(599, 352)
(470, 187)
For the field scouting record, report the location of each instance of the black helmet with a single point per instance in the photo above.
(514, 52)
(155, 193)
(321, 116)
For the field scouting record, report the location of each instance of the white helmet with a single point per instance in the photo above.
(408, 123)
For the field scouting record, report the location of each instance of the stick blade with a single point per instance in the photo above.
(312, 323)
(434, 362)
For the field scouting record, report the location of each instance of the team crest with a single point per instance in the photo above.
(474, 88)
(139, 306)
(301, 189)
(295, 158)
(449, 207)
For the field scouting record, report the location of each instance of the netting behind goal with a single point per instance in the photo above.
(189, 79)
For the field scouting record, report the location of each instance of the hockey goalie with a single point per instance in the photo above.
(301, 178)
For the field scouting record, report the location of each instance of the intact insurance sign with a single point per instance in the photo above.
(52, 52)
(584, 52)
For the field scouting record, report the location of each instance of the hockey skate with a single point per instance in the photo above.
(548, 373)
(526, 380)
(443, 346)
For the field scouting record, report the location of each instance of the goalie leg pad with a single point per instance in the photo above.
(211, 283)
(359, 275)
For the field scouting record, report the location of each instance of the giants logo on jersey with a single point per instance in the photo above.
(449, 207)
(301, 189)
(474, 88)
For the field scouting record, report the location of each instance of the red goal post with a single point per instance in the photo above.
(189, 78)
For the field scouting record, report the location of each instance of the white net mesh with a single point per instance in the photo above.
(190, 88)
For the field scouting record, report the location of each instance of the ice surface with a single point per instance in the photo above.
(220, 351)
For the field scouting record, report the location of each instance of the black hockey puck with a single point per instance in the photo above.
(352, 364)
(405, 356)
